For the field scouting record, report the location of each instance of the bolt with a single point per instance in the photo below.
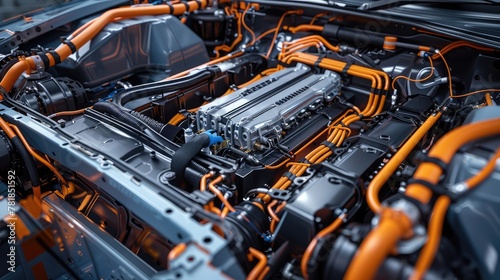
(167, 176)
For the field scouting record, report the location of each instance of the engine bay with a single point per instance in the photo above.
(246, 140)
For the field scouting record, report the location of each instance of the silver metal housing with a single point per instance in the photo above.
(260, 112)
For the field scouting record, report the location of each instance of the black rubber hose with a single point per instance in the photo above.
(249, 222)
(171, 132)
(192, 177)
(193, 174)
(161, 87)
(279, 258)
(198, 167)
(152, 123)
(183, 156)
(117, 111)
(113, 109)
(251, 159)
(359, 39)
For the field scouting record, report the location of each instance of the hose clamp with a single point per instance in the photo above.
(40, 67)
(410, 209)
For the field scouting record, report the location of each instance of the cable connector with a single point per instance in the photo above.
(214, 138)
(341, 212)
(268, 238)
(408, 208)
(459, 188)
(423, 54)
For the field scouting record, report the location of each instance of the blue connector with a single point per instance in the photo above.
(214, 138)
(267, 237)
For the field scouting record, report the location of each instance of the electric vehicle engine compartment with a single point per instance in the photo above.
(248, 139)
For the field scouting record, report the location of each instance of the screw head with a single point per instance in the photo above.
(167, 176)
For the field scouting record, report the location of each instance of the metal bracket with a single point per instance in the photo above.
(279, 194)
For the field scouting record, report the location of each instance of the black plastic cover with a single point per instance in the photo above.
(314, 205)
(145, 44)
(49, 95)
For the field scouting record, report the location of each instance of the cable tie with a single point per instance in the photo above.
(186, 5)
(289, 175)
(318, 61)
(347, 66)
(436, 161)
(70, 44)
(170, 6)
(435, 189)
(284, 64)
(329, 145)
(55, 55)
(304, 160)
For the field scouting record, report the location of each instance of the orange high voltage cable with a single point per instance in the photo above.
(339, 66)
(395, 225)
(459, 44)
(221, 197)
(310, 248)
(86, 34)
(264, 273)
(317, 155)
(476, 92)
(415, 80)
(354, 70)
(445, 150)
(313, 39)
(265, 33)
(488, 100)
(450, 84)
(211, 62)
(246, 26)
(317, 16)
(434, 236)
(378, 244)
(176, 251)
(203, 186)
(438, 214)
(271, 212)
(278, 27)
(203, 181)
(304, 27)
(260, 266)
(69, 113)
(239, 36)
(274, 222)
(283, 182)
(392, 165)
(178, 118)
(362, 72)
(337, 136)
